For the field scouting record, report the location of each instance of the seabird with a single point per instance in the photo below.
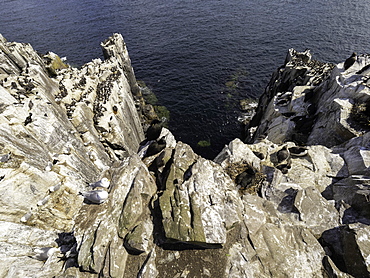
(259, 155)
(49, 166)
(95, 196)
(350, 61)
(4, 158)
(30, 104)
(26, 217)
(154, 130)
(155, 147)
(42, 254)
(104, 182)
(244, 180)
(282, 154)
(298, 151)
(285, 166)
(283, 102)
(43, 201)
(55, 187)
(28, 119)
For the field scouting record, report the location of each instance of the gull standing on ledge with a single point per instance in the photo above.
(104, 182)
(95, 196)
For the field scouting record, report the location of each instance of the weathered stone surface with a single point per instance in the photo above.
(315, 211)
(18, 251)
(293, 202)
(99, 225)
(287, 250)
(282, 249)
(348, 246)
(200, 201)
(325, 115)
(57, 135)
(281, 114)
(140, 239)
(149, 269)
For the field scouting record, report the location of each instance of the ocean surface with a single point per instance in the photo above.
(199, 57)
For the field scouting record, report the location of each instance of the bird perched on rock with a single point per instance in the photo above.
(259, 155)
(43, 201)
(42, 254)
(298, 151)
(282, 154)
(155, 147)
(27, 216)
(245, 179)
(28, 119)
(284, 167)
(4, 158)
(55, 187)
(154, 130)
(350, 61)
(104, 182)
(95, 196)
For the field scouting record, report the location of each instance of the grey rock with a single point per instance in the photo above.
(200, 201)
(149, 269)
(281, 248)
(353, 192)
(348, 246)
(74, 138)
(317, 213)
(248, 213)
(98, 226)
(140, 238)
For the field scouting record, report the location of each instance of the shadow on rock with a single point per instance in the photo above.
(342, 245)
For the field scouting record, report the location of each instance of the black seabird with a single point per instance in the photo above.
(155, 147)
(350, 61)
(282, 154)
(154, 130)
(28, 119)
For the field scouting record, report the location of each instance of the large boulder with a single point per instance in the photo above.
(200, 201)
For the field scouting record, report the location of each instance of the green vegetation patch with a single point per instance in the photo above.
(163, 114)
(204, 143)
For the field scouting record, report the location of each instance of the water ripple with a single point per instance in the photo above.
(186, 51)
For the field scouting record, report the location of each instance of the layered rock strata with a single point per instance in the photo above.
(290, 202)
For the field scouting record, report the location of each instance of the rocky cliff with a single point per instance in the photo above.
(290, 201)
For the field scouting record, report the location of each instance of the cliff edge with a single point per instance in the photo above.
(87, 190)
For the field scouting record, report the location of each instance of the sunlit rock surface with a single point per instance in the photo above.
(292, 200)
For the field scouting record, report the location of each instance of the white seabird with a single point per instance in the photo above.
(104, 182)
(96, 196)
(42, 254)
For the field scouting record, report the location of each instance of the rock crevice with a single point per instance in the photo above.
(292, 200)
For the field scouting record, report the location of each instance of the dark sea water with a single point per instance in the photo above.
(188, 51)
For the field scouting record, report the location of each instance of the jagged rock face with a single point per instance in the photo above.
(316, 105)
(313, 103)
(270, 208)
(57, 135)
